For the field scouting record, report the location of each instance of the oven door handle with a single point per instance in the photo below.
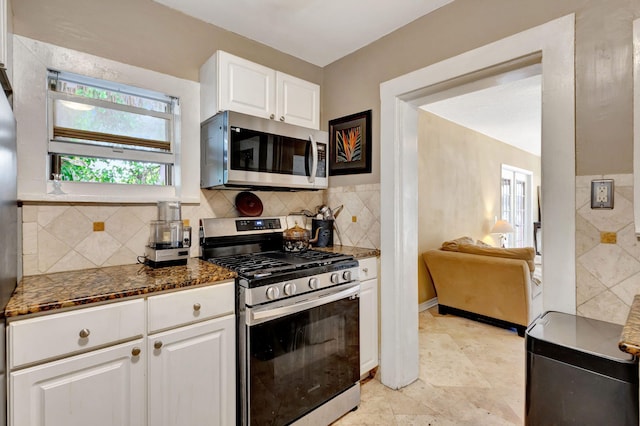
(259, 316)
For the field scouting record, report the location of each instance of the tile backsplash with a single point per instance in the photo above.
(60, 237)
(359, 220)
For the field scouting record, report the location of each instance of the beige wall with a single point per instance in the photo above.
(603, 69)
(459, 185)
(145, 34)
(149, 35)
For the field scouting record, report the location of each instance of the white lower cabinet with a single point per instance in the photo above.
(105, 387)
(98, 366)
(192, 375)
(368, 315)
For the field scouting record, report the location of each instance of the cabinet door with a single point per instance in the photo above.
(368, 325)
(192, 375)
(245, 86)
(298, 101)
(101, 388)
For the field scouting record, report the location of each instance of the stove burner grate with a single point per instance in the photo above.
(268, 263)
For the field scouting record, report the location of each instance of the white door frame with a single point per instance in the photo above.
(400, 98)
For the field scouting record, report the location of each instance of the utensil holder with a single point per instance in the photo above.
(325, 236)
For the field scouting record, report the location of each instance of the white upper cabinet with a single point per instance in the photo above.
(298, 101)
(228, 82)
(245, 87)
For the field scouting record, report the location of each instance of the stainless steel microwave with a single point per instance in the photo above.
(239, 150)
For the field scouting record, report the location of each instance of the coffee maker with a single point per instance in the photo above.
(169, 238)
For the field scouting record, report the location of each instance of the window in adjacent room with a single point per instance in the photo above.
(516, 205)
(101, 131)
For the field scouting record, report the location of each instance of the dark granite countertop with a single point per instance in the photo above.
(357, 252)
(630, 338)
(40, 293)
(49, 292)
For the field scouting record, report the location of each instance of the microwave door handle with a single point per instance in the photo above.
(314, 164)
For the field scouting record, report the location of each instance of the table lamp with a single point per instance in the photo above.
(502, 227)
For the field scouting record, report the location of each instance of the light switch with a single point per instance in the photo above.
(602, 194)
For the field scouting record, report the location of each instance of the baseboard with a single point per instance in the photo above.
(428, 304)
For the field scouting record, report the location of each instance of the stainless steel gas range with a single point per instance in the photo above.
(297, 323)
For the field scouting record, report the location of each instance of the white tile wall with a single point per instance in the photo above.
(607, 275)
(60, 237)
(359, 220)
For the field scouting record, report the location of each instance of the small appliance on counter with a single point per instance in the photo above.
(169, 239)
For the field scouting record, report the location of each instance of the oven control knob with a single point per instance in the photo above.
(289, 289)
(273, 293)
(313, 283)
(347, 275)
(335, 278)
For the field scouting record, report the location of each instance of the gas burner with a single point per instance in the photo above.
(258, 265)
(253, 265)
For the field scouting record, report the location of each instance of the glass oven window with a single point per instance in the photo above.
(263, 152)
(302, 360)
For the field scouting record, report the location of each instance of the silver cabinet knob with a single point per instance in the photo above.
(196, 307)
(135, 351)
(282, 118)
(273, 293)
(157, 344)
(365, 270)
(346, 275)
(335, 278)
(313, 283)
(289, 289)
(272, 116)
(84, 333)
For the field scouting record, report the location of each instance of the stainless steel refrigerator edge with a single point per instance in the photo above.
(8, 220)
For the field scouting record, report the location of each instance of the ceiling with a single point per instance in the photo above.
(317, 31)
(323, 31)
(510, 112)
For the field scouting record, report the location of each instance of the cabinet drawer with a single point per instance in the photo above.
(368, 268)
(187, 306)
(55, 335)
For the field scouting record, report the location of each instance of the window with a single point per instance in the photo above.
(100, 131)
(516, 205)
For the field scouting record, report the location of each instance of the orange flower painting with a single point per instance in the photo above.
(348, 145)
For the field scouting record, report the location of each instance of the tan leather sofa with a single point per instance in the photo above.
(486, 283)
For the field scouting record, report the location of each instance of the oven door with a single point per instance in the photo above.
(300, 355)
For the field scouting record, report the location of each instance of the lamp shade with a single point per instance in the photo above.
(502, 227)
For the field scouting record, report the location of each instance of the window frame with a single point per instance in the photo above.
(58, 147)
(32, 60)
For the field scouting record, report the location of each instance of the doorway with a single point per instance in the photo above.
(400, 98)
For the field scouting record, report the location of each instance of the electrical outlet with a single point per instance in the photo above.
(602, 194)
(98, 226)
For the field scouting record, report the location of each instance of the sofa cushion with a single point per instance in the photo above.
(524, 253)
(453, 245)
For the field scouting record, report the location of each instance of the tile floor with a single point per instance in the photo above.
(470, 374)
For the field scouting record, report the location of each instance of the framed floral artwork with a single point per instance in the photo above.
(350, 144)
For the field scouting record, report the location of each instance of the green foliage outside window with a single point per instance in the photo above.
(87, 169)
